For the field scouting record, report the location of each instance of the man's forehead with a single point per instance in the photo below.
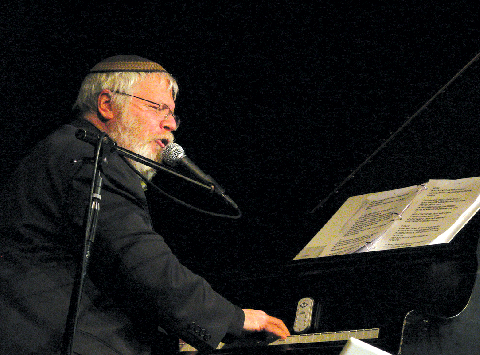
(153, 82)
(155, 87)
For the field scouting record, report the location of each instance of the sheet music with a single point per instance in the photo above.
(375, 215)
(436, 217)
(347, 231)
(418, 215)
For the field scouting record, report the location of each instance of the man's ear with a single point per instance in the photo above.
(105, 106)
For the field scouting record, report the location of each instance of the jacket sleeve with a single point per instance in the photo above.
(133, 265)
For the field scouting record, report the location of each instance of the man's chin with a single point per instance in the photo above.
(147, 171)
(151, 153)
(149, 174)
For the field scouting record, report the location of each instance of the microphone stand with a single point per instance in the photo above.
(103, 147)
(90, 229)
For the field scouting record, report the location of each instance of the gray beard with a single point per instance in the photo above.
(146, 171)
(121, 135)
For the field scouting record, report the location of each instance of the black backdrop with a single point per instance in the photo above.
(279, 101)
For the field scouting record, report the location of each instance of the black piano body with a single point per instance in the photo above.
(411, 296)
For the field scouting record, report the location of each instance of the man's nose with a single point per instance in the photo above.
(169, 123)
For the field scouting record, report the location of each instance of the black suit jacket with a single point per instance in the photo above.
(134, 284)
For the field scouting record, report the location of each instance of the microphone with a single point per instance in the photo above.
(174, 154)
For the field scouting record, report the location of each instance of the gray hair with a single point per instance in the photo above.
(95, 83)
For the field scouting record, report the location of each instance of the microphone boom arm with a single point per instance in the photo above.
(93, 138)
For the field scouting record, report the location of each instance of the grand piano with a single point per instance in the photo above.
(423, 300)
(410, 301)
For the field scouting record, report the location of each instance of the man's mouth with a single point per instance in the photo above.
(162, 142)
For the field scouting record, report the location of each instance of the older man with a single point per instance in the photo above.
(136, 291)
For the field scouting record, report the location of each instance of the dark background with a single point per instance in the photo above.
(280, 102)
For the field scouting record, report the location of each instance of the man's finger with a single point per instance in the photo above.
(277, 327)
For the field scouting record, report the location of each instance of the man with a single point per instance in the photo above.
(135, 289)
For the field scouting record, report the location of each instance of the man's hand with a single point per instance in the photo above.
(259, 321)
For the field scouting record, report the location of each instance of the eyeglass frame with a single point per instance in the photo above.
(161, 106)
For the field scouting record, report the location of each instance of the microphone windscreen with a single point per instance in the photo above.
(172, 153)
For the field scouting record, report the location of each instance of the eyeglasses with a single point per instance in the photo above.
(162, 109)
